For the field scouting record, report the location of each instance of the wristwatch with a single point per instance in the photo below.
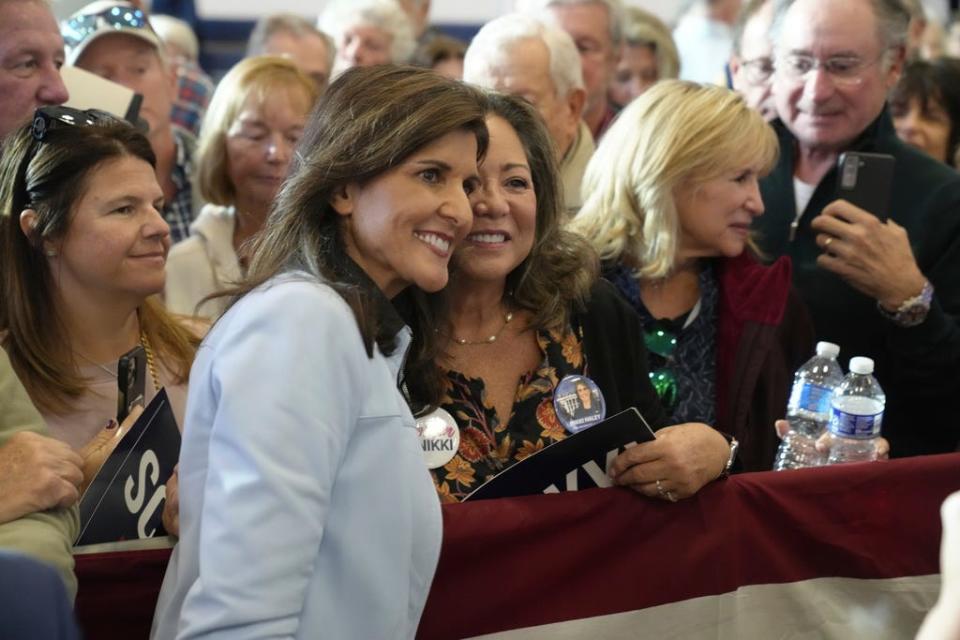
(913, 311)
(734, 446)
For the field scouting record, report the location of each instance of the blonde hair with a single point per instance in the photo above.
(644, 29)
(676, 135)
(259, 76)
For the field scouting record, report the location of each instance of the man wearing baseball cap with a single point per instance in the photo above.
(115, 41)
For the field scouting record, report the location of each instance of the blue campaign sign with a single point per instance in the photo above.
(579, 461)
(125, 499)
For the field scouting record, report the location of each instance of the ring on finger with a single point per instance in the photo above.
(661, 491)
(671, 497)
(826, 243)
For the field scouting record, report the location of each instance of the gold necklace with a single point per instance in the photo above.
(489, 339)
(151, 366)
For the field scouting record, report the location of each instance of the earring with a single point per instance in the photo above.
(51, 253)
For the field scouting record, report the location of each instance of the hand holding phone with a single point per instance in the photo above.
(131, 381)
(864, 180)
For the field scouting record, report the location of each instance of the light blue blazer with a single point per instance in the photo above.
(306, 508)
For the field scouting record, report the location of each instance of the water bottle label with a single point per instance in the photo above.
(852, 425)
(812, 398)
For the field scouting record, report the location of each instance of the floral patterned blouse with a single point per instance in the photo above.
(487, 446)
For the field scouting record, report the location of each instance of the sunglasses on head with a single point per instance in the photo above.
(79, 28)
(661, 342)
(46, 119)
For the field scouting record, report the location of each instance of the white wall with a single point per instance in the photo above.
(442, 11)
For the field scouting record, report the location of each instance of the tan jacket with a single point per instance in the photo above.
(45, 535)
(572, 167)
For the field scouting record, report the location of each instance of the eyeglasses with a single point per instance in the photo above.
(79, 28)
(843, 70)
(757, 70)
(46, 119)
(661, 342)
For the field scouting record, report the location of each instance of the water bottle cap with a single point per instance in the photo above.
(861, 365)
(828, 349)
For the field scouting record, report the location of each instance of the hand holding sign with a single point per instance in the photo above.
(125, 500)
(96, 452)
(171, 508)
(682, 459)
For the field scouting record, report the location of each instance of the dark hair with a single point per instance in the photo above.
(369, 121)
(557, 276)
(936, 82)
(554, 279)
(50, 177)
(439, 49)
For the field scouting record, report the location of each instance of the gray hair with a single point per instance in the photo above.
(615, 13)
(176, 32)
(495, 40)
(387, 15)
(297, 26)
(750, 9)
(893, 20)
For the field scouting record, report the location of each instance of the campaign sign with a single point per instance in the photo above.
(580, 461)
(125, 499)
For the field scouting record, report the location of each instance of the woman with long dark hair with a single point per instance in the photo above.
(305, 505)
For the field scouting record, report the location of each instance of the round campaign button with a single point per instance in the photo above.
(439, 438)
(579, 403)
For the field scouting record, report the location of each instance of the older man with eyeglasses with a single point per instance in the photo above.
(889, 289)
(751, 63)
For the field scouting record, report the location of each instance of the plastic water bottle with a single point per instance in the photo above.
(857, 415)
(808, 409)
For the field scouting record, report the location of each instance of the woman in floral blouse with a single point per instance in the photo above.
(524, 309)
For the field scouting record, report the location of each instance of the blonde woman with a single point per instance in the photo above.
(648, 55)
(254, 122)
(670, 197)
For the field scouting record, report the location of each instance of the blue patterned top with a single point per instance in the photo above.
(694, 360)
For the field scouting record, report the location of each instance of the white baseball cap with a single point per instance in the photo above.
(101, 18)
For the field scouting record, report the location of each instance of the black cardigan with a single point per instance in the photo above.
(616, 355)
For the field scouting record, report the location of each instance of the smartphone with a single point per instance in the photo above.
(865, 180)
(131, 381)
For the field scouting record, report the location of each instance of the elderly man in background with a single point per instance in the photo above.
(596, 27)
(294, 37)
(520, 55)
(115, 41)
(31, 53)
(751, 63)
(884, 289)
(368, 32)
(39, 475)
